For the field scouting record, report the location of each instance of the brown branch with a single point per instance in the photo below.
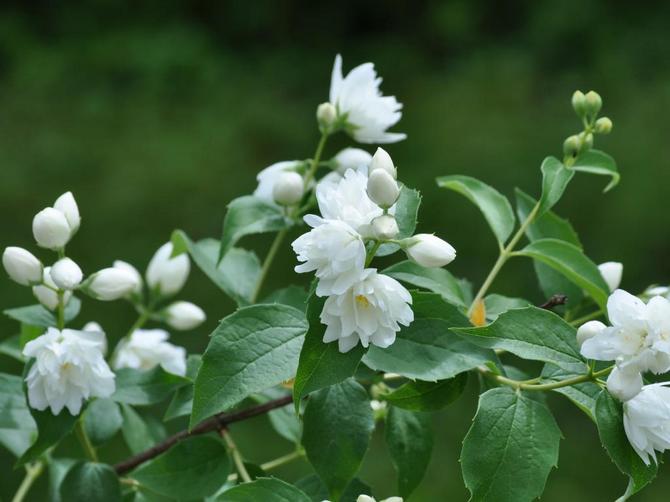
(216, 422)
(554, 301)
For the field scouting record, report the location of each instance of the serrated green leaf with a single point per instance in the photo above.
(263, 489)
(17, 427)
(572, 263)
(143, 388)
(427, 396)
(597, 162)
(294, 296)
(437, 280)
(406, 215)
(555, 179)
(102, 420)
(50, 430)
(37, 315)
(87, 481)
(583, 395)
(253, 349)
(338, 424)
(496, 208)
(530, 333)
(409, 437)
(510, 448)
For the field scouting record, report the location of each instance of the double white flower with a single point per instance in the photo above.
(646, 420)
(146, 348)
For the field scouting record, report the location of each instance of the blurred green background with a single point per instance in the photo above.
(157, 113)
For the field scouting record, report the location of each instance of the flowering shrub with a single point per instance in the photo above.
(360, 346)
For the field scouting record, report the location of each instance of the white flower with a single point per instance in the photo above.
(624, 382)
(382, 160)
(51, 229)
(165, 274)
(370, 311)
(46, 293)
(122, 265)
(351, 158)
(334, 250)
(368, 114)
(588, 330)
(147, 348)
(646, 420)
(22, 266)
(66, 274)
(385, 227)
(288, 188)
(611, 272)
(68, 206)
(184, 315)
(268, 177)
(94, 327)
(68, 369)
(430, 251)
(383, 189)
(111, 283)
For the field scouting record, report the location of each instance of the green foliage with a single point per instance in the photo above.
(583, 395)
(555, 179)
(37, 315)
(418, 395)
(597, 162)
(437, 280)
(17, 427)
(87, 481)
(406, 215)
(138, 434)
(145, 387)
(102, 420)
(50, 430)
(265, 489)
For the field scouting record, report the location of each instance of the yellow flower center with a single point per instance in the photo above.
(362, 300)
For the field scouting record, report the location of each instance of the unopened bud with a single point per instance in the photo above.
(592, 103)
(382, 188)
(385, 227)
(288, 188)
(588, 330)
(120, 264)
(51, 229)
(603, 125)
(588, 141)
(68, 206)
(625, 383)
(46, 293)
(184, 315)
(351, 158)
(612, 272)
(66, 274)
(429, 251)
(166, 274)
(326, 114)
(579, 103)
(382, 160)
(571, 145)
(110, 284)
(22, 266)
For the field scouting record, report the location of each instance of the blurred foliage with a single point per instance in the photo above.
(157, 113)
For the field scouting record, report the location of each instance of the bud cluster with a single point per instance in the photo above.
(586, 106)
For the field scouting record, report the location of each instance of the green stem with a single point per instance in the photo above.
(505, 254)
(235, 453)
(316, 159)
(32, 473)
(85, 441)
(61, 309)
(371, 254)
(277, 462)
(526, 385)
(589, 317)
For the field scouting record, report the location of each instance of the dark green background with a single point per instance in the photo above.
(156, 115)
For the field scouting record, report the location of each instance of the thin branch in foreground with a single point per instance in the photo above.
(217, 422)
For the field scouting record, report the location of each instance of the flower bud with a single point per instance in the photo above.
(571, 145)
(385, 227)
(326, 114)
(592, 103)
(68, 206)
(624, 383)
(382, 188)
(122, 265)
(165, 274)
(588, 330)
(110, 284)
(184, 315)
(46, 293)
(66, 274)
(611, 272)
(579, 103)
(51, 229)
(22, 266)
(351, 158)
(288, 188)
(382, 160)
(588, 141)
(94, 332)
(429, 251)
(603, 125)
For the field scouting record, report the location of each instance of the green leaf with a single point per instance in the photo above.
(597, 162)
(555, 179)
(499, 304)
(181, 403)
(571, 262)
(427, 349)
(88, 481)
(141, 388)
(530, 333)
(338, 424)
(510, 448)
(406, 214)
(409, 437)
(17, 427)
(192, 469)
(137, 433)
(294, 296)
(284, 420)
(437, 280)
(263, 489)
(318, 491)
(496, 208)
(236, 274)
(58, 468)
(50, 430)
(37, 315)
(609, 418)
(102, 420)
(583, 395)
(11, 347)
(321, 364)
(249, 215)
(252, 349)
(427, 396)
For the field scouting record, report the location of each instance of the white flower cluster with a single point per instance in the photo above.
(638, 341)
(357, 211)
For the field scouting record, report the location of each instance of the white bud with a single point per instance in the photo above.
(603, 125)
(326, 114)
(351, 158)
(429, 251)
(165, 274)
(110, 284)
(382, 160)
(68, 206)
(611, 272)
(385, 227)
(22, 266)
(66, 274)
(46, 293)
(122, 265)
(51, 229)
(288, 188)
(383, 188)
(588, 330)
(95, 332)
(657, 291)
(184, 315)
(624, 383)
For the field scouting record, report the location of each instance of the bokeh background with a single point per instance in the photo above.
(157, 113)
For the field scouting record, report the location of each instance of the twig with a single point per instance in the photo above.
(554, 301)
(214, 423)
(235, 453)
